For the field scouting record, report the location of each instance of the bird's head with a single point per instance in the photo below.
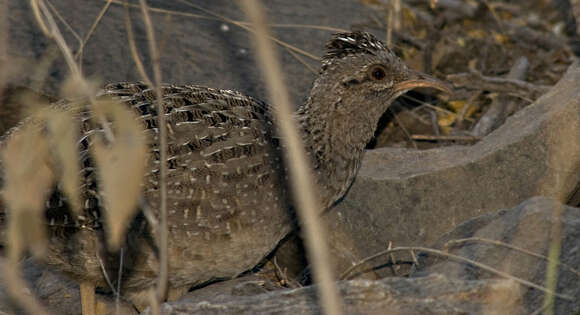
(359, 79)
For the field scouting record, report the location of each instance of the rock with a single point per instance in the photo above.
(55, 292)
(528, 227)
(58, 293)
(411, 197)
(203, 51)
(434, 294)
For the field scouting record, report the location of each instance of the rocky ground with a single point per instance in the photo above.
(490, 175)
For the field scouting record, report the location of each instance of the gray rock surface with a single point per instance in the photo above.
(55, 292)
(60, 294)
(434, 294)
(527, 226)
(411, 197)
(197, 50)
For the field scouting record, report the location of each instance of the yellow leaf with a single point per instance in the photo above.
(409, 16)
(460, 42)
(470, 111)
(422, 34)
(457, 105)
(445, 130)
(477, 34)
(500, 38)
(445, 119)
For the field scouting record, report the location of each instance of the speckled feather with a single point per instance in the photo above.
(228, 198)
(225, 178)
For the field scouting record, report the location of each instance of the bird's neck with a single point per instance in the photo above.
(335, 146)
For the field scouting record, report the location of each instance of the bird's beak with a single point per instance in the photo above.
(417, 79)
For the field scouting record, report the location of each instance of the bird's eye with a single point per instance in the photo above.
(377, 72)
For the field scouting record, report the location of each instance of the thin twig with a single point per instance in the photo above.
(163, 233)
(556, 233)
(242, 25)
(119, 277)
(476, 80)
(64, 22)
(78, 55)
(205, 17)
(133, 48)
(405, 131)
(106, 275)
(301, 178)
(301, 60)
(444, 138)
(519, 249)
(50, 29)
(428, 105)
(456, 258)
(497, 112)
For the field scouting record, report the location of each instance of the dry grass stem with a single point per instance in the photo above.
(406, 132)
(205, 17)
(119, 277)
(133, 48)
(64, 22)
(444, 138)
(50, 29)
(121, 167)
(79, 54)
(553, 257)
(302, 61)
(88, 301)
(163, 233)
(225, 19)
(106, 275)
(300, 172)
(502, 244)
(347, 272)
(3, 44)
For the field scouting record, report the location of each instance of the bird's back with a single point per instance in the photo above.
(226, 191)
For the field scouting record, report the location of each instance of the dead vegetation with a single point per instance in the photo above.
(500, 56)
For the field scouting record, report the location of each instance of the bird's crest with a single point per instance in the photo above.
(344, 44)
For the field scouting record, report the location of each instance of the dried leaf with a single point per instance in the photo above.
(62, 135)
(409, 17)
(433, 4)
(28, 179)
(457, 105)
(477, 34)
(500, 38)
(121, 166)
(445, 120)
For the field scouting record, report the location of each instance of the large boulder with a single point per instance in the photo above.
(517, 242)
(411, 197)
(198, 48)
(434, 294)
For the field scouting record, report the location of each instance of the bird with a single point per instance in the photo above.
(228, 197)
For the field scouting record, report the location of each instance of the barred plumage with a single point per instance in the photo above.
(228, 198)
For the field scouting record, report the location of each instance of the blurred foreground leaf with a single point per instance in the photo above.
(121, 160)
